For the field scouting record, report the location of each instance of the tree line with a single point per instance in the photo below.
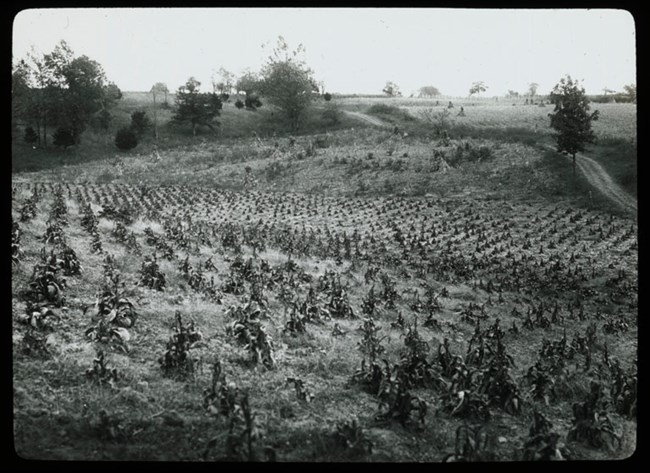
(72, 93)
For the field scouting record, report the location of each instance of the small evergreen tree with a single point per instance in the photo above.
(571, 118)
(140, 122)
(126, 139)
(199, 109)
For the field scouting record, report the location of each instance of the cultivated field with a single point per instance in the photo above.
(345, 294)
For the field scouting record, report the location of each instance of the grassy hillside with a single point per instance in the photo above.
(496, 151)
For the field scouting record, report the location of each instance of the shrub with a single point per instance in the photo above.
(64, 137)
(30, 135)
(252, 102)
(239, 104)
(125, 139)
(327, 96)
(332, 115)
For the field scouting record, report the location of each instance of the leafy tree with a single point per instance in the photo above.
(249, 83)
(532, 89)
(513, 94)
(159, 89)
(630, 91)
(428, 91)
(391, 89)
(140, 122)
(57, 88)
(477, 88)
(571, 118)
(223, 82)
(113, 92)
(104, 119)
(125, 139)
(199, 109)
(288, 83)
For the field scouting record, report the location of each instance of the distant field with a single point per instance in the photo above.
(617, 121)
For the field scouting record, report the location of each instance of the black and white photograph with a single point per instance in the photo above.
(324, 235)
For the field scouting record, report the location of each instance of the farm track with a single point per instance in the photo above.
(593, 172)
(367, 118)
(602, 181)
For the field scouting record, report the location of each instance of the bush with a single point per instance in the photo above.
(139, 122)
(332, 115)
(239, 104)
(64, 137)
(252, 102)
(125, 139)
(30, 135)
(390, 111)
(327, 96)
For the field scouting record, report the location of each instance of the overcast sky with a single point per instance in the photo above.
(350, 50)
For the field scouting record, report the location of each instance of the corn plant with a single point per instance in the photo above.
(296, 323)
(473, 444)
(40, 317)
(116, 338)
(100, 373)
(177, 360)
(54, 234)
(396, 402)
(248, 331)
(350, 437)
(591, 422)
(112, 307)
(35, 345)
(242, 432)
(370, 303)
(28, 210)
(339, 304)
(45, 284)
(542, 443)
(370, 344)
(221, 397)
(413, 360)
(623, 391)
(69, 262)
(150, 274)
(16, 250)
(302, 393)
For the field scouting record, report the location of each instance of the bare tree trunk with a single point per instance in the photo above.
(45, 130)
(38, 131)
(574, 166)
(155, 118)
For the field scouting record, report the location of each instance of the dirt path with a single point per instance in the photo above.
(602, 181)
(367, 118)
(594, 172)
